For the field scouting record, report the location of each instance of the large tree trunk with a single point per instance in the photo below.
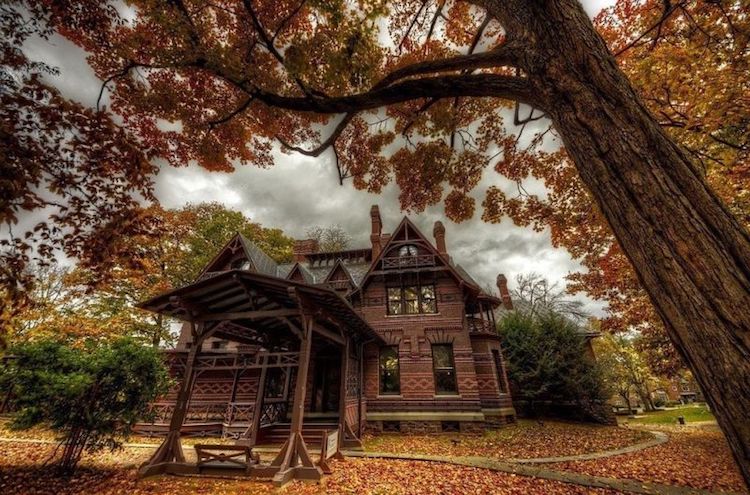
(691, 255)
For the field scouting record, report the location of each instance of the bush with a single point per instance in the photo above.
(92, 395)
(548, 365)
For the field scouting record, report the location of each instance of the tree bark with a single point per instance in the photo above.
(690, 253)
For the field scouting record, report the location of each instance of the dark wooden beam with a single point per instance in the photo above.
(249, 315)
(330, 335)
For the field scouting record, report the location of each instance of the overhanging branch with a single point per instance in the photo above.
(470, 85)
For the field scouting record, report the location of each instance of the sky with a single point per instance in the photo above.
(300, 191)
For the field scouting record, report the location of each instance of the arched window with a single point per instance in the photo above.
(408, 250)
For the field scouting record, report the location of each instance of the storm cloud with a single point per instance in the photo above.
(299, 192)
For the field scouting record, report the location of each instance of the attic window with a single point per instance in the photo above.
(240, 264)
(408, 250)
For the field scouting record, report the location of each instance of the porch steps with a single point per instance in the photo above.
(278, 433)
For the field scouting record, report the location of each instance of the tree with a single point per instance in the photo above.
(91, 395)
(625, 368)
(81, 302)
(331, 238)
(239, 76)
(547, 362)
(72, 167)
(535, 295)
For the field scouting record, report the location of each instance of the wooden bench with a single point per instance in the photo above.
(225, 456)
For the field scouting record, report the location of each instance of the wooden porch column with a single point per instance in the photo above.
(250, 436)
(347, 437)
(294, 461)
(170, 451)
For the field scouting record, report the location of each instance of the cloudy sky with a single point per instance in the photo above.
(301, 191)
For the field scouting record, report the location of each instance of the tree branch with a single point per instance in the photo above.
(317, 151)
(504, 55)
(477, 85)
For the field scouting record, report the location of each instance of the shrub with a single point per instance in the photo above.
(92, 395)
(548, 363)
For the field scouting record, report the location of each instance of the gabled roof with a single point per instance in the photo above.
(405, 227)
(303, 272)
(260, 262)
(339, 266)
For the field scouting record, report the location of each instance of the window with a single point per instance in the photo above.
(275, 382)
(411, 300)
(408, 250)
(499, 370)
(389, 371)
(428, 304)
(444, 369)
(219, 344)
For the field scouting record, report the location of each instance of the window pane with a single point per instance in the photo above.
(394, 293)
(441, 356)
(428, 299)
(445, 382)
(389, 370)
(411, 300)
(394, 308)
(275, 383)
(444, 368)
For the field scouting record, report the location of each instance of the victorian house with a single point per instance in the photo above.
(395, 336)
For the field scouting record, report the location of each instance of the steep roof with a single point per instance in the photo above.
(259, 261)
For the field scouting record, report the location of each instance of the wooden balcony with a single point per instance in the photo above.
(339, 284)
(399, 262)
(479, 325)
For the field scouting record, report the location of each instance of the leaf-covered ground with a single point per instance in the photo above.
(694, 457)
(110, 474)
(526, 439)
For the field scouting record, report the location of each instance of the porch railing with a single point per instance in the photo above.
(239, 412)
(274, 411)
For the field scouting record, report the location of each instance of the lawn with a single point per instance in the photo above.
(692, 413)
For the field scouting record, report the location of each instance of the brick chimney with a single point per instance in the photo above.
(303, 247)
(377, 229)
(502, 285)
(438, 232)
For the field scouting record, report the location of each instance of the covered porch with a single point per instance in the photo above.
(303, 344)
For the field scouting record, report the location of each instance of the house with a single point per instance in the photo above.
(394, 336)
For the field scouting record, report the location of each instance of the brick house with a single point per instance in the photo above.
(419, 333)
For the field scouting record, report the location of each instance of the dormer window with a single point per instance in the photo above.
(241, 264)
(408, 250)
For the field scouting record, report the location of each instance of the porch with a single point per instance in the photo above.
(303, 359)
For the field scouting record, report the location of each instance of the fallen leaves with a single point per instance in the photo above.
(111, 474)
(694, 457)
(526, 439)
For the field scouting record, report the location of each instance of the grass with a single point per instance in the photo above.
(692, 413)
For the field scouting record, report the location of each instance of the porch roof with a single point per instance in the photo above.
(248, 302)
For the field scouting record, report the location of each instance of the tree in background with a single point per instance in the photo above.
(92, 395)
(625, 368)
(79, 303)
(331, 238)
(535, 295)
(548, 365)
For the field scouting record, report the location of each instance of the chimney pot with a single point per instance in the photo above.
(438, 232)
(377, 228)
(502, 285)
(303, 247)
